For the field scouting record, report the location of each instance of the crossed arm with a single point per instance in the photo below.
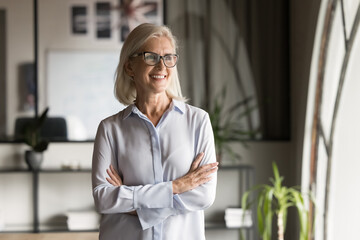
(196, 176)
(153, 203)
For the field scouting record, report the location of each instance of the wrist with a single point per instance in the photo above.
(175, 187)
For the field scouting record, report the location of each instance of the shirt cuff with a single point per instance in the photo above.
(151, 217)
(154, 196)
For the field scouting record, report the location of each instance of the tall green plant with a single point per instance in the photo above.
(226, 124)
(274, 200)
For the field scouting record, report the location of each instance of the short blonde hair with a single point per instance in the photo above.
(124, 88)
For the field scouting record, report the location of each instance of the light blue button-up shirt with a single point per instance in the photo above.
(148, 159)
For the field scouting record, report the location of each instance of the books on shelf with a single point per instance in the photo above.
(82, 220)
(237, 217)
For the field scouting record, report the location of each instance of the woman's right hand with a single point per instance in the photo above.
(196, 176)
(114, 179)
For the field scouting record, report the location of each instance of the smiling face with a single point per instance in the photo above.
(150, 80)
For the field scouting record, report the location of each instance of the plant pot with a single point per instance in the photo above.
(33, 159)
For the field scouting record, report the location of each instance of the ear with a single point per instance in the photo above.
(129, 69)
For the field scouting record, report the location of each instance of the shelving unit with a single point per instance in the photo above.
(245, 175)
(245, 180)
(35, 187)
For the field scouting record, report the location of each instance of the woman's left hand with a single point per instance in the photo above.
(114, 177)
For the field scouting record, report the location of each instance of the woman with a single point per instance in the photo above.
(154, 166)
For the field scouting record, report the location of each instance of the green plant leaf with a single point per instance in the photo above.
(41, 146)
(278, 199)
(260, 214)
(32, 133)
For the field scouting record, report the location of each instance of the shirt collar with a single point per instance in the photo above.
(175, 105)
(128, 110)
(178, 105)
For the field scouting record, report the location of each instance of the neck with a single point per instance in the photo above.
(153, 106)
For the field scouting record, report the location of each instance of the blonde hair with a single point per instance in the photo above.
(124, 88)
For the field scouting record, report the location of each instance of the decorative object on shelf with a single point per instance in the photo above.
(276, 199)
(238, 217)
(83, 220)
(227, 127)
(32, 138)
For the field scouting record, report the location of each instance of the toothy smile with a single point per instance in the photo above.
(158, 76)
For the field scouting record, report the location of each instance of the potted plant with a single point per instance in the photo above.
(227, 127)
(32, 138)
(274, 200)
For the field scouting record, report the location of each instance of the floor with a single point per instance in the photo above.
(49, 236)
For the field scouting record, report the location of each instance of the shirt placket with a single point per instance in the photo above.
(157, 164)
(158, 171)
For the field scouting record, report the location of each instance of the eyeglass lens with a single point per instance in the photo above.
(152, 59)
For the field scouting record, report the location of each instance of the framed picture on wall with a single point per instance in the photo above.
(79, 19)
(103, 20)
(106, 19)
(132, 13)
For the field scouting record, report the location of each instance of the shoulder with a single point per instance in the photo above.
(194, 115)
(188, 109)
(192, 110)
(113, 120)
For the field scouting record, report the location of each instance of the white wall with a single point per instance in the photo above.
(344, 196)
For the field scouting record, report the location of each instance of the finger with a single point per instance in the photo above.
(115, 173)
(112, 173)
(112, 182)
(200, 181)
(208, 166)
(112, 176)
(197, 161)
(205, 180)
(205, 173)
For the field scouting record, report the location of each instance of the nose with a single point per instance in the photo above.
(161, 63)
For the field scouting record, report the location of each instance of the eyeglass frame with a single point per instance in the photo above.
(160, 57)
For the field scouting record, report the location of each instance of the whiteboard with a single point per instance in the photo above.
(80, 88)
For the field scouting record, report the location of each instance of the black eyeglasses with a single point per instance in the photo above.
(152, 59)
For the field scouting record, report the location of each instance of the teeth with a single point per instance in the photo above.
(158, 76)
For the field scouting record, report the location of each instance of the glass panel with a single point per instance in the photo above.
(76, 66)
(350, 8)
(344, 204)
(335, 56)
(17, 77)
